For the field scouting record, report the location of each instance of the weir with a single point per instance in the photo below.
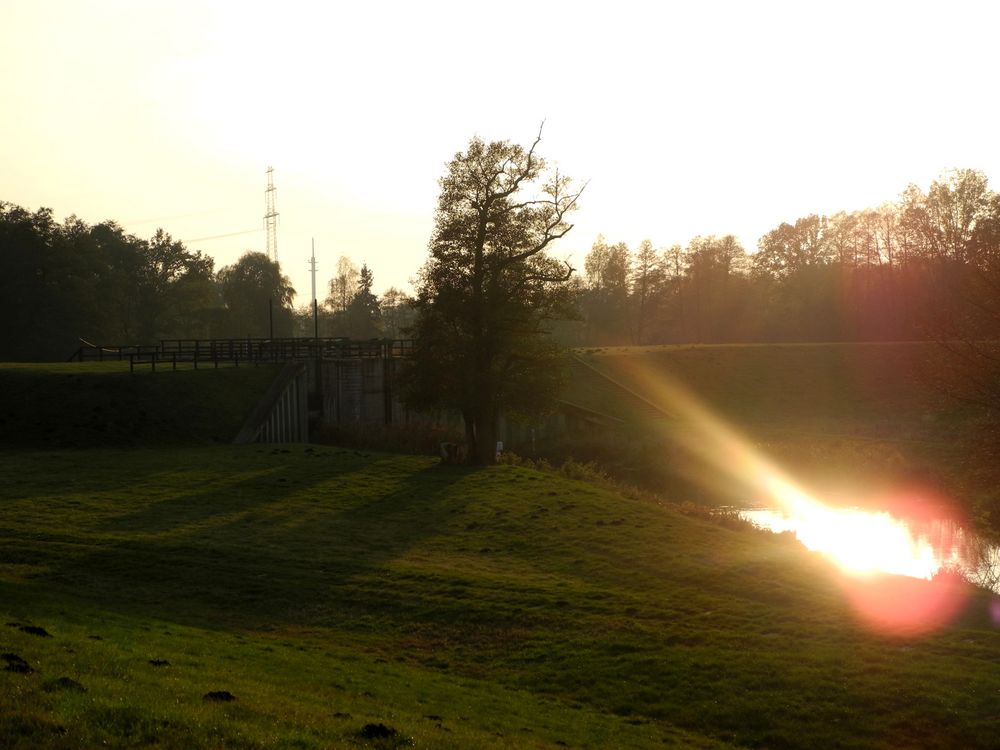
(341, 382)
(336, 381)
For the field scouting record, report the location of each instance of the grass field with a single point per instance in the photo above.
(331, 591)
(344, 598)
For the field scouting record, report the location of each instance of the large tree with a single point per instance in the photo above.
(256, 294)
(489, 290)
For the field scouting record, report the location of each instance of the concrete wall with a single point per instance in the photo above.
(282, 415)
(359, 390)
(288, 421)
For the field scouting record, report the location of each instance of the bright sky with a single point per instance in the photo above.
(687, 118)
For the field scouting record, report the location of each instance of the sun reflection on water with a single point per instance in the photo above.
(862, 541)
(884, 557)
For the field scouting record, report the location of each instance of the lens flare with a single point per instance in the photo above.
(893, 580)
(897, 605)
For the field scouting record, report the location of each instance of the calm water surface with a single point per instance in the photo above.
(860, 541)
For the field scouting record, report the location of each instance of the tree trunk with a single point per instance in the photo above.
(470, 437)
(486, 438)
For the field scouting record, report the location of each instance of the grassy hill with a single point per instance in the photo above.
(866, 415)
(102, 404)
(332, 591)
(878, 388)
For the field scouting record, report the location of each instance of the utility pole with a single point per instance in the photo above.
(312, 263)
(317, 394)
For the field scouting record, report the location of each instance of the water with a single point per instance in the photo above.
(865, 541)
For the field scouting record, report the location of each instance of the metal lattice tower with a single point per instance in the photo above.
(271, 217)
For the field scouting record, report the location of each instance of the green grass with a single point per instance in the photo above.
(84, 405)
(877, 389)
(329, 589)
(847, 419)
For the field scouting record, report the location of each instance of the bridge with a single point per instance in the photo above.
(234, 351)
(340, 381)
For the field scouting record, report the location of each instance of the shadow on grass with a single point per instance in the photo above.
(271, 556)
(266, 486)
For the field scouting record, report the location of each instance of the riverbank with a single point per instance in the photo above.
(332, 590)
(849, 422)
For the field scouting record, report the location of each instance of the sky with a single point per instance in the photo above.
(683, 118)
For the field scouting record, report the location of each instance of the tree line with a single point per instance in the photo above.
(922, 267)
(353, 310)
(71, 282)
(491, 303)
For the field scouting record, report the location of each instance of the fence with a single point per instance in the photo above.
(170, 352)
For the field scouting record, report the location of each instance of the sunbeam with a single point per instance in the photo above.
(881, 560)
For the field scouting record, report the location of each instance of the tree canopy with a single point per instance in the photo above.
(489, 289)
(257, 297)
(72, 282)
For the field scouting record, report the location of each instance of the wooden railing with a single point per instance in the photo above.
(170, 352)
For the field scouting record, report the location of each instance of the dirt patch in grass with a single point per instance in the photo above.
(15, 664)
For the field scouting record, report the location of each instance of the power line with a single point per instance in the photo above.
(220, 236)
(175, 216)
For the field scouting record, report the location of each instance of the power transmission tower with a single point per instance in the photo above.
(271, 217)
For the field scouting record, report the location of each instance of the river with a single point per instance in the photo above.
(862, 540)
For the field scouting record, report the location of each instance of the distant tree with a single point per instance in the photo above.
(948, 216)
(253, 289)
(958, 224)
(605, 302)
(362, 317)
(608, 266)
(343, 285)
(647, 282)
(194, 301)
(674, 323)
(489, 290)
(175, 289)
(788, 248)
(397, 313)
(714, 273)
(38, 320)
(305, 326)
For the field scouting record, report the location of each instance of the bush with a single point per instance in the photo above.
(419, 439)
